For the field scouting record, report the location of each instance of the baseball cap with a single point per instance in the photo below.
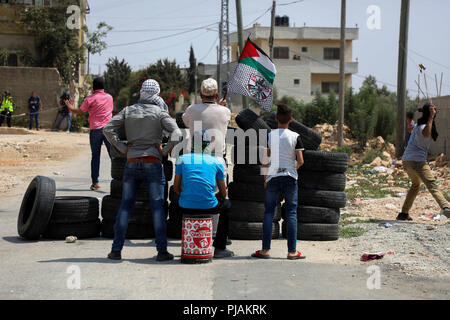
(209, 87)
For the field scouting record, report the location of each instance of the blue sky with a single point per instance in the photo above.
(168, 26)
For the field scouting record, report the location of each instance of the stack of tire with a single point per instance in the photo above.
(140, 224)
(321, 195)
(175, 221)
(321, 182)
(44, 214)
(246, 191)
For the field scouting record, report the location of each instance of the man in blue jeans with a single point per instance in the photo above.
(100, 107)
(143, 123)
(285, 152)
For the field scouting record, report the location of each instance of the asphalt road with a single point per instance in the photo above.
(47, 269)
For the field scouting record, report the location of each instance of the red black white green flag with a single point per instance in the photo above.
(254, 76)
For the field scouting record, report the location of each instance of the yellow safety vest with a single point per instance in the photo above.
(6, 105)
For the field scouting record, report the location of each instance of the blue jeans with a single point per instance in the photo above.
(151, 174)
(34, 116)
(61, 117)
(96, 138)
(287, 186)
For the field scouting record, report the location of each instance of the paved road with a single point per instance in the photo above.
(39, 269)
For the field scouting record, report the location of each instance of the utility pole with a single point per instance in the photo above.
(220, 58)
(401, 78)
(224, 38)
(342, 76)
(272, 27)
(240, 39)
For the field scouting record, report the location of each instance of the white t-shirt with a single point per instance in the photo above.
(209, 116)
(283, 144)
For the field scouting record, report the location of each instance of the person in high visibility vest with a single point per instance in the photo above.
(6, 108)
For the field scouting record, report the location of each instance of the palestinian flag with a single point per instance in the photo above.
(254, 76)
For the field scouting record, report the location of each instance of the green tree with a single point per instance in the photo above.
(95, 43)
(58, 45)
(116, 76)
(191, 70)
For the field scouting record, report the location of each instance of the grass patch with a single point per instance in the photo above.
(344, 223)
(351, 232)
(346, 149)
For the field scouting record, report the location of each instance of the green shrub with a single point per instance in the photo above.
(346, 149)
(79, 121)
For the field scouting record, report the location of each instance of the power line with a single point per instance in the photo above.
(159, 38)
(210, 49)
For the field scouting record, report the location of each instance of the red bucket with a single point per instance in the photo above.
(196, 241)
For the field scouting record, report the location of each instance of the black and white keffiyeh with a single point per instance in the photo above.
(149, 94)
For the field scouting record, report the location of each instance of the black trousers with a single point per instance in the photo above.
(7, 115)
(220, 242)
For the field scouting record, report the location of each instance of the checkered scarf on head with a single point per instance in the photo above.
(149, 94)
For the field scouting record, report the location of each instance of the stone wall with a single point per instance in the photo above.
(47, 84)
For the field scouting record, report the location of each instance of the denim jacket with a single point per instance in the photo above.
(143, 125)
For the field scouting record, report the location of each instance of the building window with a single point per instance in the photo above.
(328, 86)
(12, 60)
(296, 82)
(281, 52)
(304, 49)
(331, 53)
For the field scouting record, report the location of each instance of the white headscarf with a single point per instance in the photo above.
(149, 94)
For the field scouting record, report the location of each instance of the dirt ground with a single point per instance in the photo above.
(25, 154)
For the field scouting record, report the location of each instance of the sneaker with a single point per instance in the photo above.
(115, 255)
(95, 187)
(225, 253)
(404, 216)
(164, 256)
(446, 212)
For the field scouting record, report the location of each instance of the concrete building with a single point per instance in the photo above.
(17, 76)
(306, 58)
(18, 43)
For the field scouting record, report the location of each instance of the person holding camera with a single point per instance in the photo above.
(64, 111)
(415, 162)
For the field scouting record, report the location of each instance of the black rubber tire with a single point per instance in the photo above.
(174, 228)
(173, 196)
(250, 173)
(179, 120)
(117, 168)
(175, 212)
(250, 211)
(140, 214)
(309, 214)
(246, 192)
(311, 139)
(251, 155)
(82, 230)
(247, 119)
(317, 232)
(36, 208)
(321, 198)
(241, 230)
(325, 161)
(168, 170)
(331, 181)
(75, 209)
(134, 230)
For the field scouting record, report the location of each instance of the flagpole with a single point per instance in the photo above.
(240, 40)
